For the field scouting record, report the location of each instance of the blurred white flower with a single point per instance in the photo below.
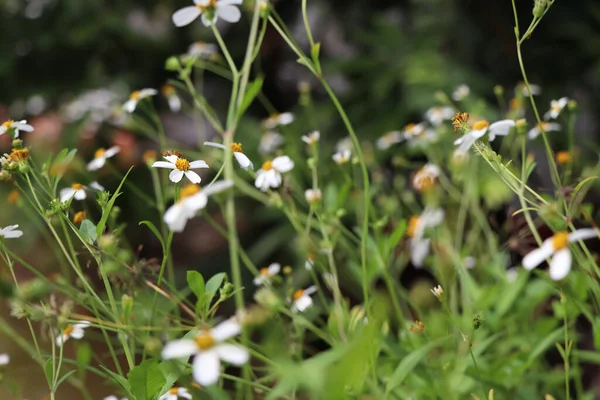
(270, 141)
(171, 95)
(236, 148)
(210, 10)
(461, 92)
(469, 262)
(77, 191)
(202, 50)
(35, 105)
(437, 115)
(342, 157)
(176, 392)
(512, 274)
(181, 167)
(437, 291)
(521, 89)
(388, 139)
(425, 178)
(75, 331)
(344, 144)
(556, 107)
(17, 126)
(312, 137)
(4, 359)
(279, 119)
(313, 196)
(557, 246)
(265, 274)
(417, 224)
(10, 232)
(100, 157)
(548, 127)
(208, 350)
(310, 261)
(480, 128)
(269, 176)
(98, 103)
(301, 299)
(137, 96)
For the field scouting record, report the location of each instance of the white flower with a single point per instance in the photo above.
(437, 291)
(181, 167)
(437, 115)
(171, 95)
(136, 97)
(425, 178)
(521, 88)
(98, 103)
(313, 195)
(417, 224)
(342, 157)
(4, 359)
(202, 49)
(548, 127)
(556, 107)
(174, 393)
(344, 144)
(557, 246)
(74, 331)
(208, 348)
(461, 92)
(266, 274)
(480, 128)
(269, 142)
(512, 274)
(312, 137)
(418, 134)
(16, 125)
(278, 119)
(388, 139)
(11, 232)
(210, 10)
(269, 176)
(236, 148)
(191, 200)
(100, 157)
(77, 191)
(469, 262)
(301, 299)
(310, 261)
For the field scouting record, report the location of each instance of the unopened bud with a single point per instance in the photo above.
(539, 8)
(172, 64)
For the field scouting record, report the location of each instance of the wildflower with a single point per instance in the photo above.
(79, 217)
(269, 176)
(236, 148)
(556, 107)
(4, 359)
(77, 191)
(344, 144)
(16, 125)
(180, 167)
(480, 128)
(313, 196)
(136, 97)
(388, 139)
(417, 224)
(342, 157)
(210, 10)
(312, 137)
(191, 200)
(266, 274)
(546, 126)
(75, 331)
(301, 299)
(437, 115)
(171, 95)
(100, 157)
(425, 178)
(14, 196)
(557, 246)
(417, 327)
(18, 155)
(208, 348)
(563, 157)
(461, 92)
(310, 261)
(278, 119)
(201, 50)
(437, 291)
(269, 142)
(521, 88)
(176, 392)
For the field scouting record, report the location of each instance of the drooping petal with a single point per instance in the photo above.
(61, 339)
(533, 133)
(174, 103)
(77, 332)
(206, 368)
(198, 164)
(163, 164)
(229, 13)
(500, 128)
(232, 354)
(302, 304)
(176, 218)
(186, 16)
(130, 106)
(310, 290)
(80, 194)
(560, 265)
(226, 330)
(583, 234)
(208, 22)
(183, 393)
(192, 176)
(179, 349)
(96, 164)
(261, 180)
(96, 186)
(537, 256)
(213, 144)
(282, 164)
(244, 161)
(176, 175)
(112, 151)
(194, 203)
(66, 194)
(217, 187)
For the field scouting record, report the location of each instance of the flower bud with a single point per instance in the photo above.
(172, 64)
(539, 7)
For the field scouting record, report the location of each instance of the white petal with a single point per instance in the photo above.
(186, 16)
(479, 133)
(176, 175)
(310, 290)
(552, 127)
(179, 349)
(163, 164)
(217, 187)
(112, 151)
(202, 2)
(537, 256)
(302, 304)
(226, 330)
(274, 269)
(213, 144)
(419, 248)
(260, 181)
(583, 234)
(232, 354)
(501, 128)
(560, 264)
(194, 203)
(148, 92)
(66, 194)
(10, 234)
(77, 332)
(198, 164)
(80, 194)
(229, 13)
(3, 130)
(172, 158)
(4, 359)
(432, 217)
(192, 176)
(227, 2)
(130, 106)
(533, 133)
(206, 368)
(176, 218)
(259, 280)
(184, 395)
(96, 164)
(282, 164)
(244, 161)
(61, 339)
(96, 186)
(174, 103)
(25, 128)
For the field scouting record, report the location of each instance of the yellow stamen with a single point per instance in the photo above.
(100, 152)
(311, 257)
(268, 165)
(515, 104)
(135, 95)
(264, 271)
(481, 125)
(76, 186)
(188, 191)
(19, 155)
(174, 391)
(8, 123)
(182, 164)
(412, 225)
(168, 90)
(68, 330)
(563, 157)
(410, 127)
(79, 217)
(204, 340)
(298, 294)
(236, 147)
(560, 240)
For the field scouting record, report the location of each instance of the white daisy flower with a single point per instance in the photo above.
(480, 128)
(342, 157)
(4, 359)
(171, 95)
(278, 119)
(137, 96)
(269, 176)
(181, 167)
(425, 178)
(77, 191)
(176, 392)
(413, 130)
(461, 92)
(437, 115)
(548, 127)
(557, 246)
(11, 232)
(389, 139)
(313, 195)
(16, 125)
(75, 331)
(210, 10)
(521, 88)
(437, 291)
(208, 350)
(100, 157)
(191, 200)
(344, 144)
(270, 141)
(312, 137)
(556, 107)
(301, 299)
(236, 148)
(202, 50)
(417, 224)
(266, 274)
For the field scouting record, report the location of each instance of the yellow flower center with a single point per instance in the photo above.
(311, 257)
(210, 4)
(168, 90)
(236, 147)
(268, 165)
(76, 186)
(542, 125)
(264, 271)
(19, 155)
(481, 125)
(410, 127)
(182, 164)
(563, 157)
(135, 95)
(68, 330)
(204, 340)
(79, 217)
(174, 391)
(412, 225)
(560, 240)
(8, 123)
(14, 196)
(100, 152)
(423, 180)
(515, 104)
(555, 107)
(188, 191)
(297, 294)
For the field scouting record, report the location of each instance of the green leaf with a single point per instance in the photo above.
(250, 95)
(146, 380)
(395, 238)
(109, 206)
(196, 283)
(545, 344)
(215, 282)
(88, 231)
(314, 53)
(124, 383)
(84, 356)
(64, 377)
(48, 371)
(579, 194)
